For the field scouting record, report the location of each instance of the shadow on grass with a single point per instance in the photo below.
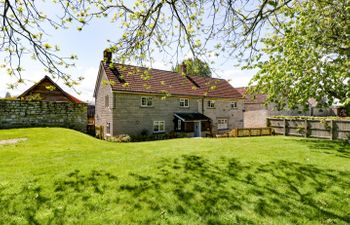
(337, 148)
(189, 190)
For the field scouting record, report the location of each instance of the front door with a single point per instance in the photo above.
(197, 129)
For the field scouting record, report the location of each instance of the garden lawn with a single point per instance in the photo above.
(60, 176)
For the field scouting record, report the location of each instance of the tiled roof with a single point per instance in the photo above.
(215, 87)
(259, 98)
(46, 78)
(143, 80)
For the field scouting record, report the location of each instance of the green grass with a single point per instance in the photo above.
(61, 176)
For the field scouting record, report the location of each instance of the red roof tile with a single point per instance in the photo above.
(259, 98)
(140, 79)
(70, 97)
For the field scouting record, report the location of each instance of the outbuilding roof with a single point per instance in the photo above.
(189, 117)
(48, 80)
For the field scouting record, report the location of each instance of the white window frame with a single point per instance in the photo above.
(106, 101)
(184, 102)
(211, 104)
(108, 128)
(179, 124)
(148, 101)
(234, 105)
(158, 124)
(222, 124)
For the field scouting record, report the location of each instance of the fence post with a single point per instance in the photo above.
(332, 129)
(268, 122)
(285, 127)
(306, 128)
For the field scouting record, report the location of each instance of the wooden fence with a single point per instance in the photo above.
(247, 132)
(314, 128)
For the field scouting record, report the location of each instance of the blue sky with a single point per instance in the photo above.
(89, 44)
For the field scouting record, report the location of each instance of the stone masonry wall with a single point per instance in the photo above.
(16, 114)
(223, 110)
(131, 118)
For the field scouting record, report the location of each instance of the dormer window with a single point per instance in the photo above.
(184, 102)
(233, 105)
(211, 104)
(146, 102)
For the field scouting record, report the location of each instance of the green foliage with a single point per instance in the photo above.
(61, 176)
(194, 67)
(145, 136)
(202, 28)
(311, 118)
(307, 56)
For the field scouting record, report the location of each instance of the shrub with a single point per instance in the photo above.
(121, 138)
(144, 132)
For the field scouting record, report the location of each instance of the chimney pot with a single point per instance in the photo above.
(183, 69)
(107, 56)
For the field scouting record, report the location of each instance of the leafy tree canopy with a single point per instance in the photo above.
(168, 26)
(195, 67)
(303, 53)
(308, 56)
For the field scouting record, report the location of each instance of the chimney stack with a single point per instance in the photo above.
(107, 56)
(183, 69)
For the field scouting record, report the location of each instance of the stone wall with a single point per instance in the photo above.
(255, 114)
(16, 114)
(103, 113)
(129, 117)
(223, 110)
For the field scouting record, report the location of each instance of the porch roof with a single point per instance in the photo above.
(191, 117)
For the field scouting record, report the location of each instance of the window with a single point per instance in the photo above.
(146, 101)
(211, 104)
(108, 128)
(233, 105)
(179, 125)
(158, 126)
(222, 124)
(184, 102)
(107, 101)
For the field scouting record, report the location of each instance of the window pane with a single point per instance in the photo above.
(143, 101)
(149, 103)
(155, 127)
(186, 102)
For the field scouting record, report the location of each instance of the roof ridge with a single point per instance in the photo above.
(143, 67)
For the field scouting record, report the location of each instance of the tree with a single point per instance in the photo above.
(169, 25)
(308, 56)
(7, 95)
(195, 67)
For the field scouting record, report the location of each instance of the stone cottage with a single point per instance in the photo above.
(131, 99)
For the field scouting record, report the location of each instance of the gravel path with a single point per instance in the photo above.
(12, 141)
